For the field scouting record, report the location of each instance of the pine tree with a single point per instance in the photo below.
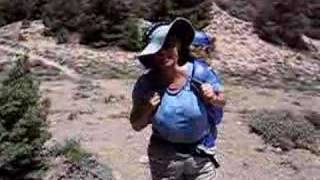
(23, 130)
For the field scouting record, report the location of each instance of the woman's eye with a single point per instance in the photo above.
(169, 45)
(160, 55)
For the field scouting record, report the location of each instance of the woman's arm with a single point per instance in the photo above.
(142, 112)
(145, 101)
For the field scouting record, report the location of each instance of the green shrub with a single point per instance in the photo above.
(282, 128)
(22, 129)
(79, 163)
(97, 21)
(133, 40)
(15, 10)
(282, 22)
(73, 151)
(114, 22)
(197, 11)
(101, 22)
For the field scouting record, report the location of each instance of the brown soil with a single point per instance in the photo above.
(100, 122)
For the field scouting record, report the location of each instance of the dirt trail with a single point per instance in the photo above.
(96, 113)
(35, 59)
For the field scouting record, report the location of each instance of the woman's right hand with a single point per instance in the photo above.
(142, 111)
(153, 101)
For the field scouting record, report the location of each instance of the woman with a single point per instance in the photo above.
(166, 98)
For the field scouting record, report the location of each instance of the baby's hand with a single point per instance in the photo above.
(211, 97)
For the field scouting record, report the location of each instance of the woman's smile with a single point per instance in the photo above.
(166, 57)
(168, 61)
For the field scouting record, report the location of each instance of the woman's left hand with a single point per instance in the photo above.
(211, 97)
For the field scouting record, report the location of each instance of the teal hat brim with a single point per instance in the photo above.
(180, 26)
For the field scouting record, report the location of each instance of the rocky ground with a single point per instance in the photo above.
(90, 91)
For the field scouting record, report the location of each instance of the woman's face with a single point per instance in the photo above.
(168, 56)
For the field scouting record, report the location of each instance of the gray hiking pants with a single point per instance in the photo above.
(168, 164)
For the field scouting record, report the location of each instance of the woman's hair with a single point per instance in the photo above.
(184, 55)
(146, 61)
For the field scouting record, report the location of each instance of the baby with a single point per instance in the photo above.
(202, 46)
(201, 49)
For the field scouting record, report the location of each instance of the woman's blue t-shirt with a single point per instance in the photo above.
(181, 116)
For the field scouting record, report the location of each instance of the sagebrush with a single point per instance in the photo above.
(78, 163)
(285, 129)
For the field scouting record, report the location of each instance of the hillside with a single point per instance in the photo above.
(90, 92)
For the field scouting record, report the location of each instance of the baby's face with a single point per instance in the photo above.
(201, 52)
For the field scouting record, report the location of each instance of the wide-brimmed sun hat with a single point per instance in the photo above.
(180, 27)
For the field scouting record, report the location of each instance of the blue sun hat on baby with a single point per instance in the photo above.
(201, 39)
